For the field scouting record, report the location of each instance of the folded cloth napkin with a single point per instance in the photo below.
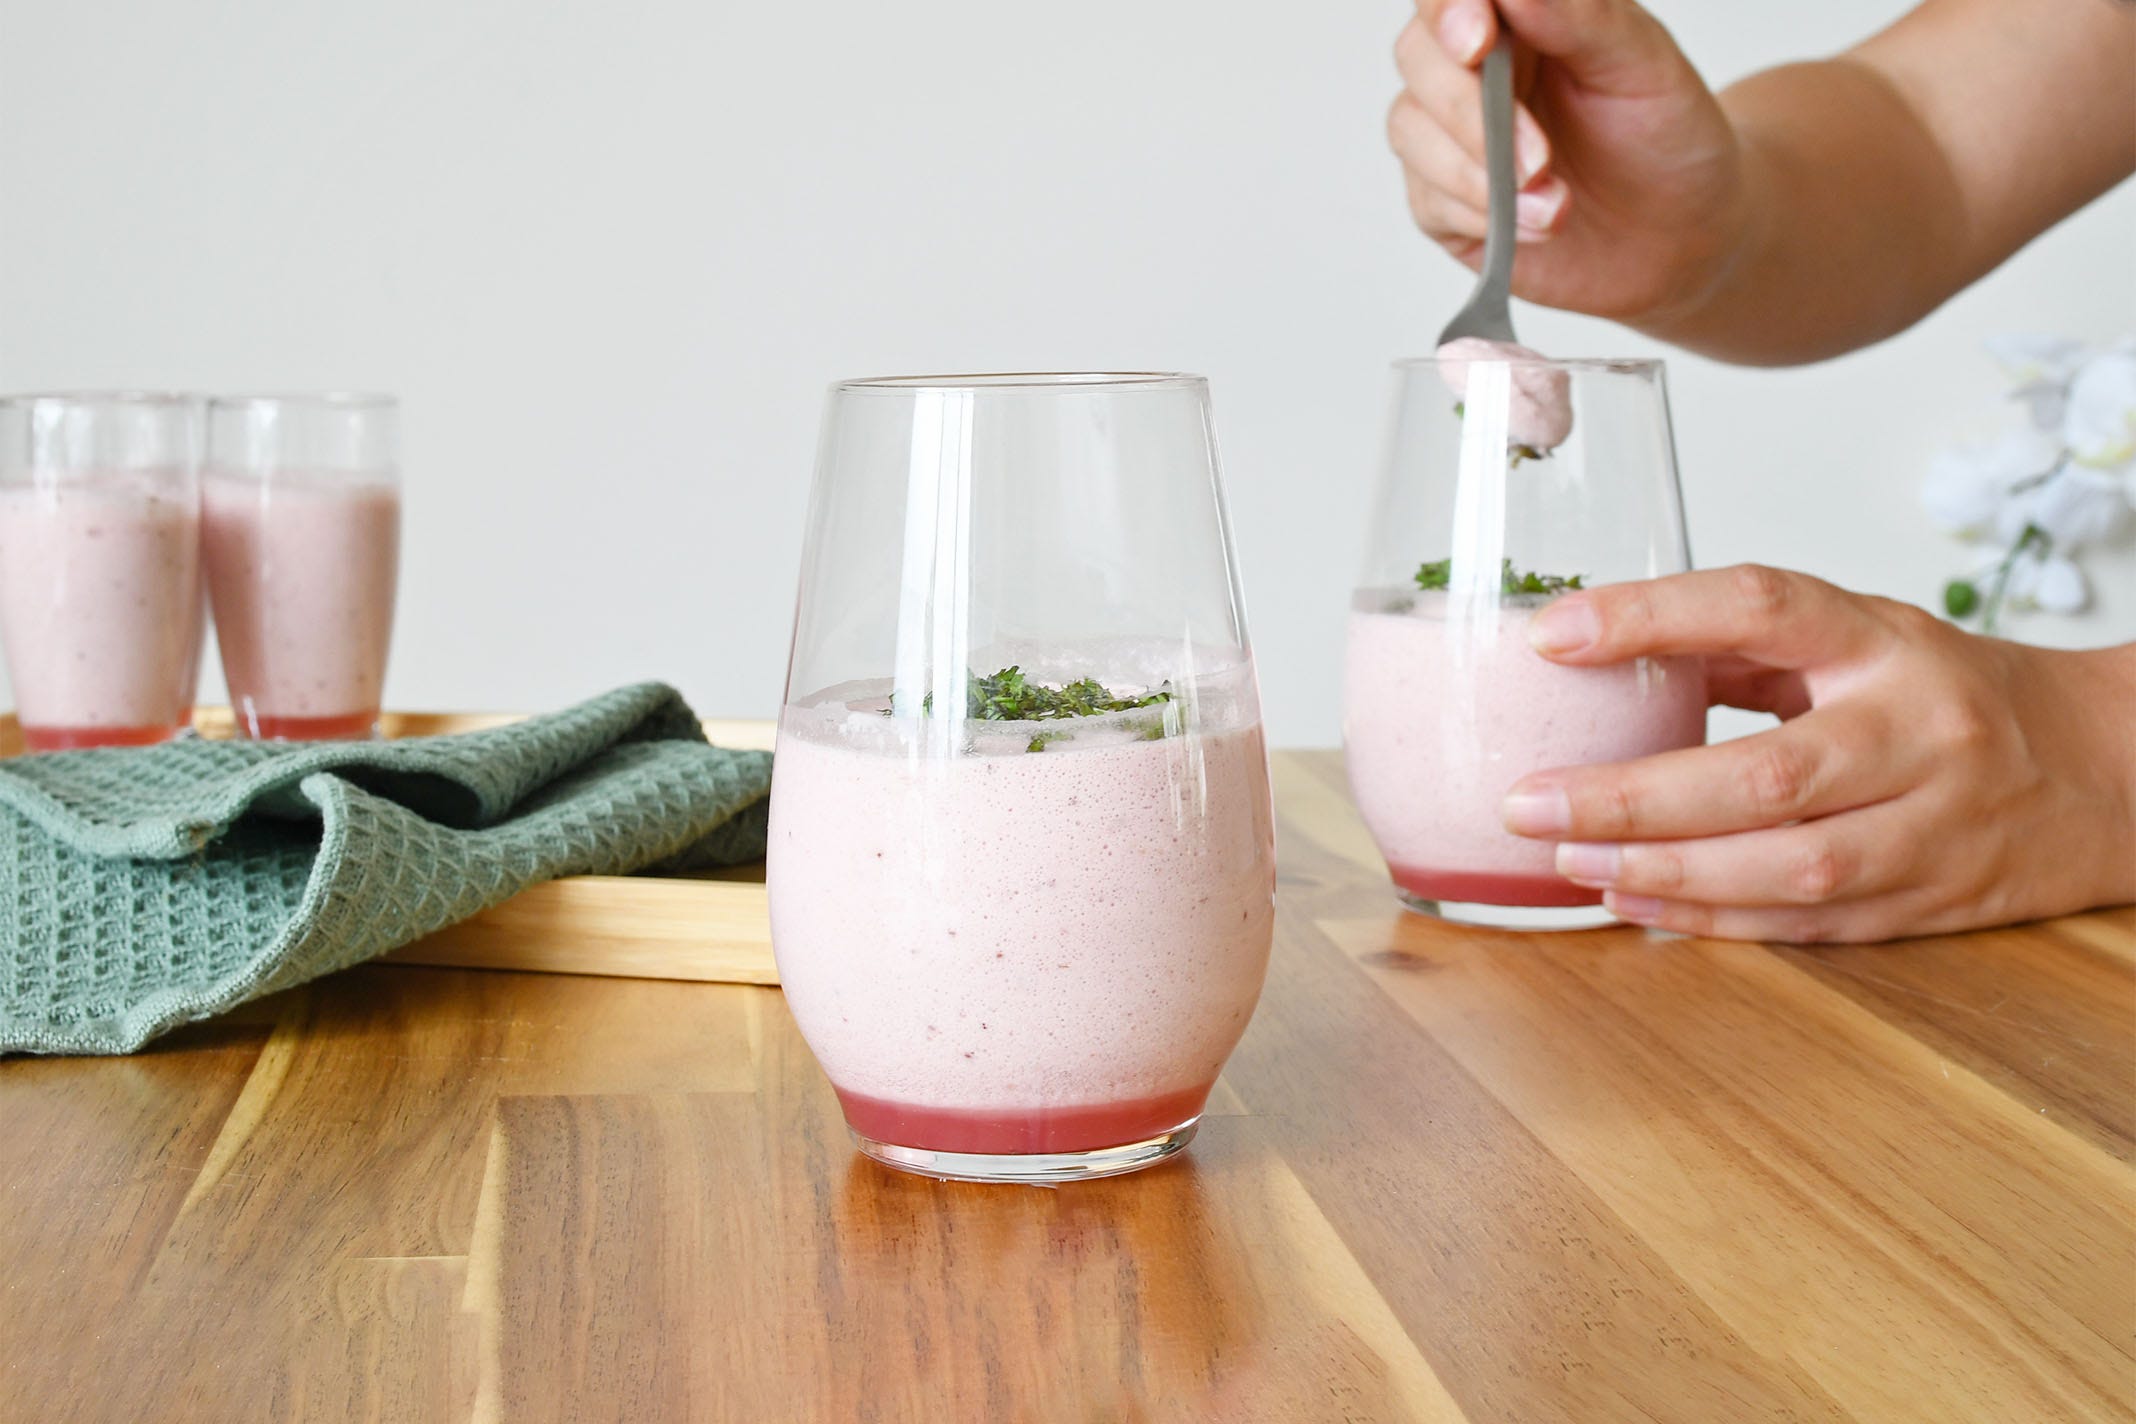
(144, 888)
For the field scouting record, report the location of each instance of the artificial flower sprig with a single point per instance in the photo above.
(2047, 490)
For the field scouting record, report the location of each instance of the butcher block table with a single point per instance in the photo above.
(1450, 1175)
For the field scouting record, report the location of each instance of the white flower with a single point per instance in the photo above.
(2028, 357)
(1966, 490)
(2060, 586)
(2040, 368)
(2099, 425)
(2039, 580)
(1958, 495)
(2075, 508)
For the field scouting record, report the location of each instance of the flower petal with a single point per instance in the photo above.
(2060, 587)
(2046, 403)
(1959, 495)
(2029, 357)
(2100, 422)
(2023, 589)
(2078, 507)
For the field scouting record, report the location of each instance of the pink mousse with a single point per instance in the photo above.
(1441, 717)
(1014, 951)
(100, 608)
(1539, 415)
(302, 574)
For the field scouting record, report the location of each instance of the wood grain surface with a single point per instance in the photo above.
(1450, 1176)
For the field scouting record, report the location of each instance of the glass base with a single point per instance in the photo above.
(346, 727)
(1031, 1168)
(39, 738)
(1532, 918)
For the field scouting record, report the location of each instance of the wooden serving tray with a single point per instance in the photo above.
(708, 926)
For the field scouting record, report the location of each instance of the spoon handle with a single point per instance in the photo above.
(1498, 161)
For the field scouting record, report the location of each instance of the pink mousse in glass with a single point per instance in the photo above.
(302, 574)
(99, 606)
(1442, 714)
(1021, 951)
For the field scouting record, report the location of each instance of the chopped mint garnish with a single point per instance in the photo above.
(1010, 696)
(1439, 572)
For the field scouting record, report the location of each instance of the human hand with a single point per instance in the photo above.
(1924, 780)
(1632, 196)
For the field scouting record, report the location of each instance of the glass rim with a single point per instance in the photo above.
(142, 399)
(1025, 381)
(1628, 365)
(315, 400)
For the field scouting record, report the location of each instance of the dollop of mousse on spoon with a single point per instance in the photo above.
(1539, 416)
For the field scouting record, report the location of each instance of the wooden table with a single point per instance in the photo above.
(1449, 1176)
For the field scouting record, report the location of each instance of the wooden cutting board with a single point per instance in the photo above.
(712, 926)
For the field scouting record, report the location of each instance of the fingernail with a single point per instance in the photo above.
(1537, 811)
(1540, 208)
(1589, 864)
(1529, 150)
(1461, 31)
(1565, 626)
(1638, 909)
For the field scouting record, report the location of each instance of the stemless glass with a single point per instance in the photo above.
(1480, 521)
(301, 514)
(1022, 852)
(100, 565)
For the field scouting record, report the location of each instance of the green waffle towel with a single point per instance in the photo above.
(145, 888)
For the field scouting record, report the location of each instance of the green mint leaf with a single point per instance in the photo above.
(1010, 696)
(1960, 598)
(1439, 574)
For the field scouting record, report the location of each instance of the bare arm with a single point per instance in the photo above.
(1806, 211)
(1883, 182)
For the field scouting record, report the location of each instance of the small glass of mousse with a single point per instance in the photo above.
(100, 565)
(1509, 481)
(301, 514)
(1021, 862)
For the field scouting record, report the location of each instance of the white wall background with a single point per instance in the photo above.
(611, 254)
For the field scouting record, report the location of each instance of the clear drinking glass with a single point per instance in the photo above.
(1506, 483)
(100, 565)
(1022, 853)
(301, 513)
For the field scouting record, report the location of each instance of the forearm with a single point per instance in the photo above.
(1851, 225)
(1878, 184)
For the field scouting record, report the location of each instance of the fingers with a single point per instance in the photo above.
(1449, 194)
(1863, 923)
(1454, 226)
(1733, 681)
(1771, 616)
(1431, 156)
(1842, 858)
(1830, 759)
(1452, 94)
(1463, 28)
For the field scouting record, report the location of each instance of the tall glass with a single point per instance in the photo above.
(100, 565)
(1022, 851)
(302, 512)
(1507, 484)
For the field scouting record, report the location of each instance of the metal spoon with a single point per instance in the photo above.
(1486, 314)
